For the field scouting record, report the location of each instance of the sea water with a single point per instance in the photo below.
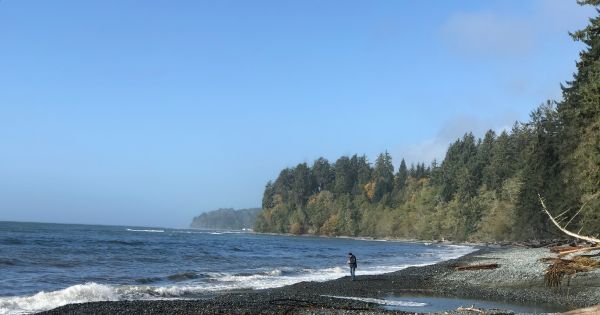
(43, 266)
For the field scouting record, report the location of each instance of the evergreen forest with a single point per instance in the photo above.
(484, 189)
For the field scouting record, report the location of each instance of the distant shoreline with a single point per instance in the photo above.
(388, 239)
(519, 279)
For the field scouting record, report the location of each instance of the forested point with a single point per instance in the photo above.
(226, 219)
(483, 190)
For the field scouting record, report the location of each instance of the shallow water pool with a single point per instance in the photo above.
(412, 303)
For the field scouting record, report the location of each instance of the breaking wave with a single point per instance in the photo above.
(89, 292)
(194, 285)
(94, 292)
(189, 288)
(142, 263)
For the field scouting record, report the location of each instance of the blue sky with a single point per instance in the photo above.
(150, 112)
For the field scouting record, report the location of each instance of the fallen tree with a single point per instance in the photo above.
(588, 239)
(559, 268)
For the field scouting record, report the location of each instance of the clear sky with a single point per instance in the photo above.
(150, 112)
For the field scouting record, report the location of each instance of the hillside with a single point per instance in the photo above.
(484, 189)
(226, 219)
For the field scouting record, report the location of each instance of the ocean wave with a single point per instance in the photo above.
(455, 251)
(152, 231)
(194, 284)
(121, 242)
(183, 276)
(62, 263)
(187, 232)
(212, 232)
(8, 262)
(89, 292)
(148, 280)
(11, 241)
(227, 232)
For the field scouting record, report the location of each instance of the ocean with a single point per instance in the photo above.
(43, 266)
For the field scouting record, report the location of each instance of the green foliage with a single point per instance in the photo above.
(323, 174)
(401, 176)
(484, 189)
(345, 176)
(383, 176)
(541, 174)
(579, 113)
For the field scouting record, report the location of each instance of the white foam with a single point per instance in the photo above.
(274, 278)
(455, 252)
(379, 301)
(152, 231)
(42, 301)
(275, 272)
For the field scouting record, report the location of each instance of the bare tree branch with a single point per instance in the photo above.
(576, 214)
(572, 234)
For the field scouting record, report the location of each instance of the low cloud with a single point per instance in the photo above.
(493, 34)
(453, 129)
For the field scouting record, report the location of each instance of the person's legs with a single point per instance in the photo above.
(352, 270)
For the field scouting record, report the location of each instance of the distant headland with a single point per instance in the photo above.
(226, 219)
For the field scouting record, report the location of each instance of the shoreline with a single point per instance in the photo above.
(385, 239)
(518, 280)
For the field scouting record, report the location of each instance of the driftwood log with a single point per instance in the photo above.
(560, 249)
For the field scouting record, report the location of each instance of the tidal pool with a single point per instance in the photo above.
(425, 304)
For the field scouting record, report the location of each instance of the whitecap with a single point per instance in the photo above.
(152, 231)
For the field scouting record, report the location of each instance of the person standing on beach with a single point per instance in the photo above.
(352, 264)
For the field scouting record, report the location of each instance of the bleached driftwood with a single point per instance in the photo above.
(579, 250)
(560, 249)
(589, 239)
(594, 310)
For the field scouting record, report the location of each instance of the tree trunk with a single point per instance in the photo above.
(572, 234)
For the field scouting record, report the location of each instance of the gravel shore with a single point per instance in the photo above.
(518, 279)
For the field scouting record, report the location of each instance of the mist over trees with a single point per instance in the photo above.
(484, 189)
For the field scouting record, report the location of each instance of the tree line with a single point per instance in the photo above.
(484, 189)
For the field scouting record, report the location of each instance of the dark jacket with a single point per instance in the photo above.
(352, 261)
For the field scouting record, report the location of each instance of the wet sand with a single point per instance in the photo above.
(519, 279)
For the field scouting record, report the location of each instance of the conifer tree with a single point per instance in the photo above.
(401, 176)
(383, 176)
(580, 114)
